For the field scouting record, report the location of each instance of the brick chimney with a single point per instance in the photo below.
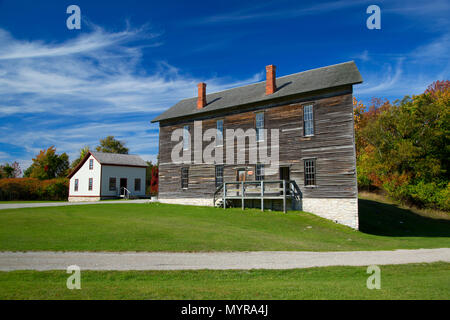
(271, 85)
(201, 101)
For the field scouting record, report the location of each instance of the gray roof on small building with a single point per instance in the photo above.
(316, 79)
(119, 159)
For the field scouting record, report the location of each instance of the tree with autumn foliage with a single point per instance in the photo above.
(10, 170)
(403, 148)
(151, 179)
(154, 181)
(48, 165)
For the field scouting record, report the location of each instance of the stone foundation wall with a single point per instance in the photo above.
(189, 201)
(83, 199)
(340, 210)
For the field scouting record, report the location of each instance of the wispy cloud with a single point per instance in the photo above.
(436, 50)
(94, 41)
(276, 10)
(364, 56)
(73, 93)
(388, 83)
(406, 73)
(4, 155)
(435, 13)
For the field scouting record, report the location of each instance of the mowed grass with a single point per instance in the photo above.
(410, 281)
(30, 201)
(163, 227)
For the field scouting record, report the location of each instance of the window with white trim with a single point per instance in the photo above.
(308, 120)
(186, 138)
(259, 172)
(259, 126)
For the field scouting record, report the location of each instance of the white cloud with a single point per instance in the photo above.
(437, 49)
(364, 56)
(265, 12)
(73, 93)
(389, 81)
(87, 42)
(76, 76)
(404, 73)
(4, 155)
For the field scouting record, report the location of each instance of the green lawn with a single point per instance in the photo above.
(410, 281)
(162, 227)
(30, 201)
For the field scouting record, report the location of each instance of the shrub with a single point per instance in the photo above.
(431, 195)
(34, 189)
(421, 194)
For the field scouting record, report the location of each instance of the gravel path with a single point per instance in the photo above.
(60, 204)
(213, 260)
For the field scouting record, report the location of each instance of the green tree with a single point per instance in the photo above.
(83, 152)
(48, 165)
(111, 145)
(10, 170)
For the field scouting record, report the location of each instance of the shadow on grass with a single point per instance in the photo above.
(389, 220)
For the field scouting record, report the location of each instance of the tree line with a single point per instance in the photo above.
(46, 177)
(403, 148)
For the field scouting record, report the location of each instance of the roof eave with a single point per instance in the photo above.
(124, 165)
(159, 119)
(79, 165)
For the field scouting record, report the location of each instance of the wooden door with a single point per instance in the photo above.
(241, 175)
(285, 175)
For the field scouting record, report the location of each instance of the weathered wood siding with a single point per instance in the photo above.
(332, 145)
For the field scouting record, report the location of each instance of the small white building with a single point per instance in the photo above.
(107, 175)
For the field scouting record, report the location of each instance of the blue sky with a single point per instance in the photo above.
(131, 60)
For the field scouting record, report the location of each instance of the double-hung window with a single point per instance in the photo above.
(137, 184)
(91, 164)
(186, 138)
(91, 182)
(112, 184)
(219, 176)
(310, 172)
(75, 187)
(308, 120)
(184, 177)
(219, 133)
(260, 126)
(259, 172)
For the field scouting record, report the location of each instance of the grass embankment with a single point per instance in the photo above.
(162, 227)
(31, 201)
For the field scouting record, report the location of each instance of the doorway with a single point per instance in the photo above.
(123, 184)
(241, 175)
(285, 175)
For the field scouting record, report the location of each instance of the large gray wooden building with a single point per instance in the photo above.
(312, 112)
